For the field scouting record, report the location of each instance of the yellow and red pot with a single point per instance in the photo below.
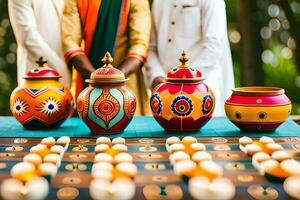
(258, 108)
(183, 102)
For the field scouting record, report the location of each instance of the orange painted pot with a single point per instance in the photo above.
(258, 108)
(42, 101)
(183, 103)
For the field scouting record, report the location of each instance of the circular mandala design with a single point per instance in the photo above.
(207, 105)
(106, 107)
(182, 106)
(156, 104)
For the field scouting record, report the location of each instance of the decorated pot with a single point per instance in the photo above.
(258, 108)
(107, 105)
(42, 101)
(183, 102)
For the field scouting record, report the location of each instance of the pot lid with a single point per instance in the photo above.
(107, 73)
(42, 70)
(184, 71)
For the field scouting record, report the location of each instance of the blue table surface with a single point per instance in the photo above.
(142, 127)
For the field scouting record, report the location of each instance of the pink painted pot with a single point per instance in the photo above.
(258, 108)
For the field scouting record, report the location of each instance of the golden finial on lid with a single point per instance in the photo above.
(107, 59)
(184, 59)
(41, 62)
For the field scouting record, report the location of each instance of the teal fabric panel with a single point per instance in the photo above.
(142, 127)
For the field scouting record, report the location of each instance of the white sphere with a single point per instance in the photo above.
(123, 157)
(22, 168)
(176, 147)
(33, 158)
(49, 141)
(119, 147)
(38, 188)
(103, 140)
(100, 148)
(292, 167)
(266, 140)
(292, 186)
(103, 157)
(118, 140)
(201, 156)
(127, 168)
(122, 189)
(99, 189)
(11, 189)
(198, 147)
(245, 140)
(184, 166)
(58, 149)
(201, 188)
(179, 156)
(105, 166)
(47, 169)
(53, 158)
(63, 140)
(172, 140)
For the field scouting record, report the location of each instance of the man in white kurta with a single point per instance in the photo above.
(37, 28)
(198, 27)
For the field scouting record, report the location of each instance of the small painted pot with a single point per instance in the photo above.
(107, 105)
(42, 101)
(259, 109)
(183, 103)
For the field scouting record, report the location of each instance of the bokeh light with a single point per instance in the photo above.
(5, 23)
(2, 31)
(295, 6)
(2, 63)
(5, 84)
(287, 53)
(284, 36)
(273, 10)
(2, 41)
(11, 58)
(274, 24)
(266, 32)
(291, 43)
(285, 24)
(234, 36)
(297, 81)
(13, 47)
(268, 57)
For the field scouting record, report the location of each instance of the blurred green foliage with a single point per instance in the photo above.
(8, 69)
(279, 64)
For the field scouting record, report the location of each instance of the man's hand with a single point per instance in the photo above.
(82, 64)
(130, 65)
(158, 80)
